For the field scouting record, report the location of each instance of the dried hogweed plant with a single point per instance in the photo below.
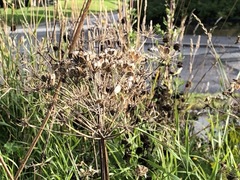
(99, 94)
(100, 87)
(100, 82)
(166, 74)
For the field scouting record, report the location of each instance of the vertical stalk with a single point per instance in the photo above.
(102, 146)
(170, 20)
(12, 20)
(6, 168)
(103, 159)
(5, 15)
(44, 123)
(139, 12)
(144, 16)
(79, 27)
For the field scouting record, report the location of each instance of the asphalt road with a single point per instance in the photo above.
(206, 74)
(209, 71)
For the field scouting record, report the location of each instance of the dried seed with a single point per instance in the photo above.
(117, 89)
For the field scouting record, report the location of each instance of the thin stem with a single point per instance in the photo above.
(103, 159)
(6, 168)
(80, 26)
(55, 97)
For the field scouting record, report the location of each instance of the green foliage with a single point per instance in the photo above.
(158, 30)
(208, 11)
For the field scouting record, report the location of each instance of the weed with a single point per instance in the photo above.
(91, 103)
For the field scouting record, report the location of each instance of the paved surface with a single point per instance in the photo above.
(206, 74)
(209, 72)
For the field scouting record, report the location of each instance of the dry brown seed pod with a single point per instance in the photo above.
(124, 20)
(55, 48)
(163, 50)
(188, 84)
(236, 83)
(79, 59)
(62, 71)
(73, 73)
(176, 46)
(166, 38)
(129, 73)
(179, 64)
(135, 57)
(108, 68)
(44, 78)
(141, 171)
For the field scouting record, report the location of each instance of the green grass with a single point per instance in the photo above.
(109, 5)
(199, 101)
(18, 16)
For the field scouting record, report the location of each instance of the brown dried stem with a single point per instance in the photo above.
(79, 27)
(55, 97)
(6, 168)
(104, 159)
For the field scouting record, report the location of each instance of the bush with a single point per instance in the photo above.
(207, 11)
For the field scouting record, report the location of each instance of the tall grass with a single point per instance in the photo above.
(95, 105)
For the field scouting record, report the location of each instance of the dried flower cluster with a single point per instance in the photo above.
(103, 87)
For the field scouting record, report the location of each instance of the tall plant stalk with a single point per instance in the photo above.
(78, 30)
(36, 139)
(6, 168)
(103, 159)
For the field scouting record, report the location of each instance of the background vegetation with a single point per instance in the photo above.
(226, 12)
(17, 15)
(207, 11)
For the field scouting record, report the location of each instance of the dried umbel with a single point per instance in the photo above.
(234, 86)
(167, 72)
(101, 88)
(141, 171)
